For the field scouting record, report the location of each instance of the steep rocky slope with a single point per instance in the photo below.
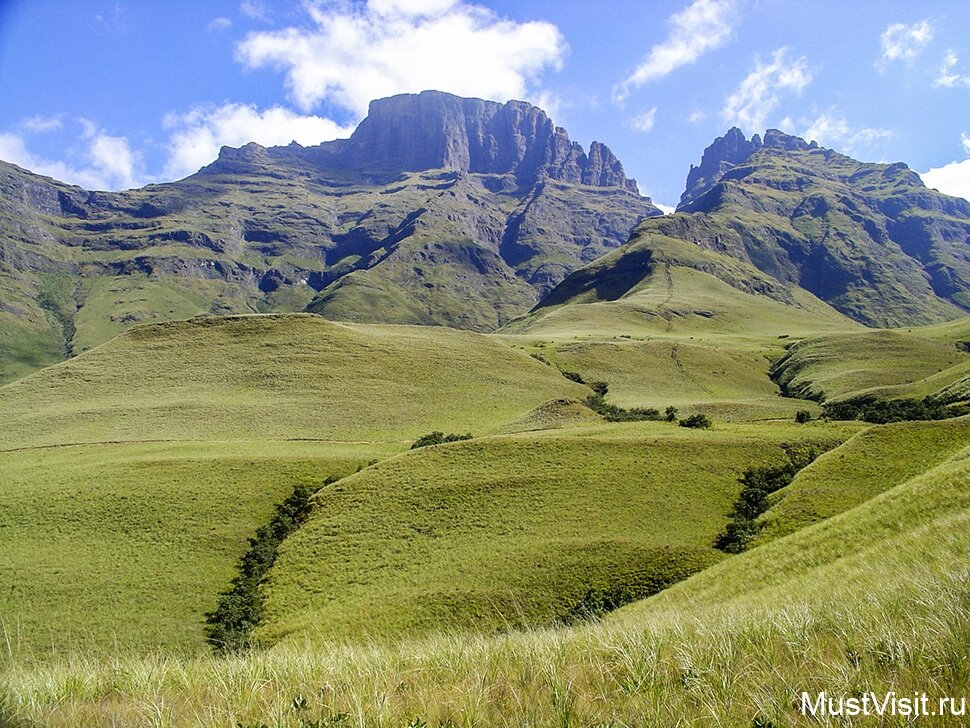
(772, 215)
(437, 210)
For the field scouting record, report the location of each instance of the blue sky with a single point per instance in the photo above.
(111, 94)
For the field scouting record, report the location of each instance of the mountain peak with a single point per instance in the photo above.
(437, 130)
(730, 150)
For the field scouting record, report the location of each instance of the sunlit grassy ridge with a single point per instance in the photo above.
(128, 544)
(888, 364)
(514, 530)
(872, 462)
(681, 301)
(278, 377)
(874, 599)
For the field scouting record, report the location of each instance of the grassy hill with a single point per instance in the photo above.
(132, 475)
(872, 462)
(513, 531)
(125, 546)
(887, 364)
(678, 335)
(873, 599)
(277, 377)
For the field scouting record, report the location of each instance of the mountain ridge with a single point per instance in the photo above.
(437, 210)
(869, 239)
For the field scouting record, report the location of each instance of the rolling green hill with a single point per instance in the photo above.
(132, 475)
(872, 599)
(888, 364)
(285, 376)
(872, 462)
(512, 531)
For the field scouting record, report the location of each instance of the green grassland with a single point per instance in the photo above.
(126, 545)
(679, 337)
(512, 531)
(872, 599)
(873, 461)
(888, 364)
(277, 377)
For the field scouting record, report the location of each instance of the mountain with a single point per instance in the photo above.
(437, 210)
(779, 217)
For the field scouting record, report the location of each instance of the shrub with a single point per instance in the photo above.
(240, 607)
(696, 421)
(612, 413)
(880, 412)
(803, 416)
(437, 438)
(601, 388)
(670, 414)
(759, 483)
(573, 377)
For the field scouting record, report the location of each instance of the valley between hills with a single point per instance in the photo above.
(446, 425)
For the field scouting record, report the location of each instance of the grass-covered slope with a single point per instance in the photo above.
(872, 462)
(513, 530)
(678, 336)
(860, 557)
(277, 377)
(875, 599)
(127, 545)
(886, 364)
(658, 285)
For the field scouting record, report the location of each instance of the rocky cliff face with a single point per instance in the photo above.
(435, 130)
(438, 210)
(869, 239)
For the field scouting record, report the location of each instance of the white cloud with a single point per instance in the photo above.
(831, 129)
(220, 23)
(696, 116)
(106, 162)
(40, 124)
(953, 178)
(644, 122)
(356, 53)
(700, 27)
(950, 179)
(665, 209)
(946, 77)
(760, 92)
(197, 135)
(255, 10)
(904, 43)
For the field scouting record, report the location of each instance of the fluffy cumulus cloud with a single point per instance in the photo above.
(102, 162)
(351, 53)
(948, 77)
(196, 136)
(700, 27)
(644, 122)
(901, 42)
(831, 129)
(761, 91)
(953, 178)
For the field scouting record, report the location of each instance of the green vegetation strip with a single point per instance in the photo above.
(241, 605)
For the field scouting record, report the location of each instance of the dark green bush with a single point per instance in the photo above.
(240, 607)
(573, 377)
(601, 388)
(882, 411)
(696, 421)
(437, 438)
(758, 483)
(803, 416)
(612, 413)
(670, 414)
